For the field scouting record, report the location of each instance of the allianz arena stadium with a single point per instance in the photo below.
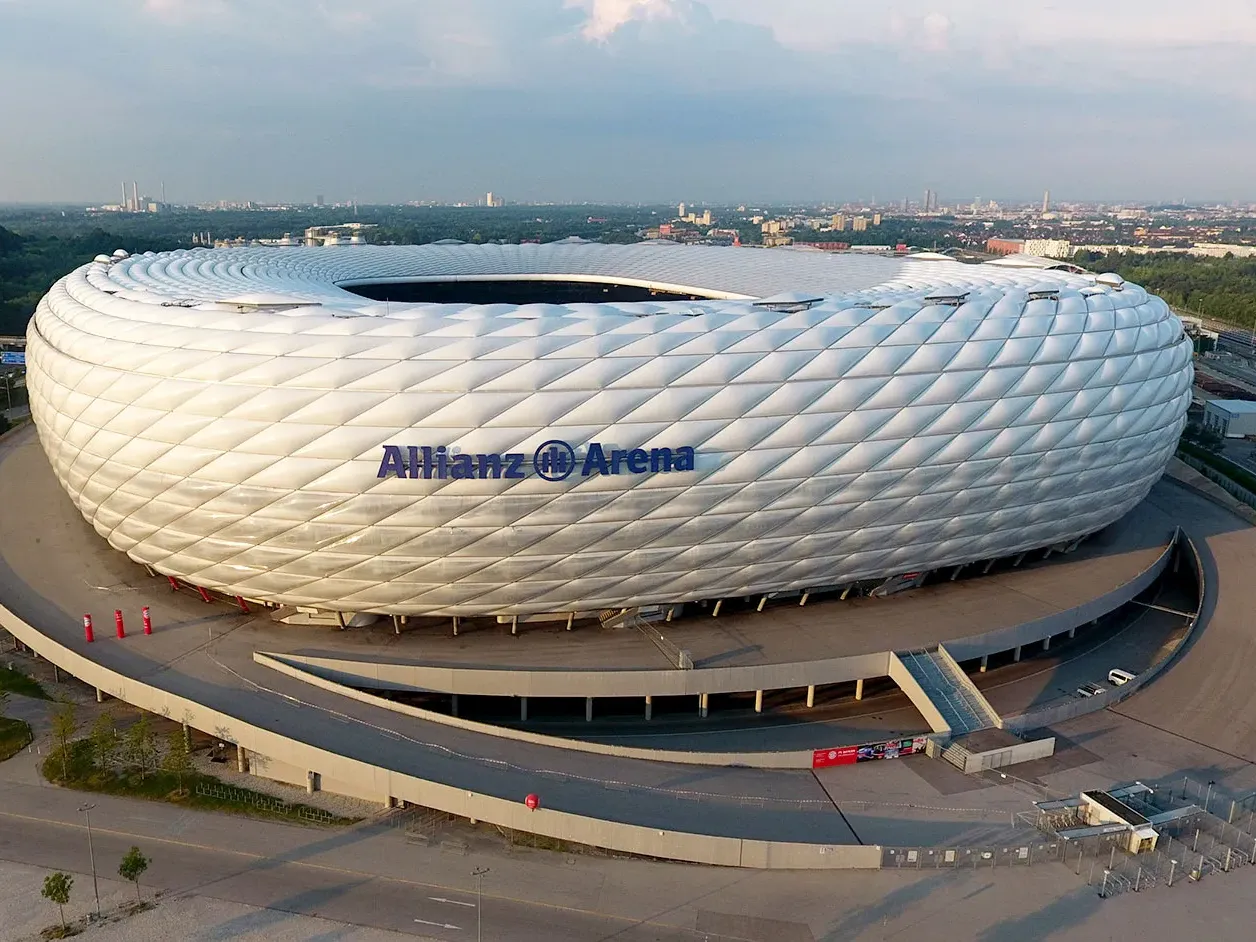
(453, 429)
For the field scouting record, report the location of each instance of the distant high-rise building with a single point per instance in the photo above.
(928, 200)
(859, 224)
(680, 211)
(488, 199)
(876, 219)
(1046, 200)
(318, 200)
(705, 218)
(839, 222)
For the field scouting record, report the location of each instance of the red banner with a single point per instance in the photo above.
(841, 755)
(846, 755)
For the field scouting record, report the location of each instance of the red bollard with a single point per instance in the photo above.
(87, 628)
(117, 620)
(148, 621)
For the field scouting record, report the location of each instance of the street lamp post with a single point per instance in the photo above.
(86, 809)
(478, 873)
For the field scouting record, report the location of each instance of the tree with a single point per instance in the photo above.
(178, 760)
(133, 865)
(64, 725)
(105, 741)
(140, 750)
(57, 889)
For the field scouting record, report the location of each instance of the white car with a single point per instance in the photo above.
(1116, 677)
(1090, 690)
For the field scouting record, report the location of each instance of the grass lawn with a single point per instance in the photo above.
(17, 682)
(164, 786)
(14, 737)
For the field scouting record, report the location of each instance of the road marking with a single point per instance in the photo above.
(526, 901)
(439, 925)
(452, 902)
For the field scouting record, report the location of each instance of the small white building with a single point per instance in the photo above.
(1233, 418)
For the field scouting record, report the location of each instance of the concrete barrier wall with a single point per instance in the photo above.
(594, 683)
(799, 759)
(1036, 719)
(385, 784)
(899, 673)
(1010, 755)
(1005, 639)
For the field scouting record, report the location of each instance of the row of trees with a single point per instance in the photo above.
(1221, 288)
(134, 751)
(57, 886)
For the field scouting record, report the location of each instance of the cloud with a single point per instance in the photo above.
(605, 17)
(627, 99)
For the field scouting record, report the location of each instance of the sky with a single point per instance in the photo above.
(628, 100)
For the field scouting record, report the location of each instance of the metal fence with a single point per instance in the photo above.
(240, 796)
(971, 858)
(1233, 488)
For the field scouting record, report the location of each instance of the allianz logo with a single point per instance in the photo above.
(554, 460)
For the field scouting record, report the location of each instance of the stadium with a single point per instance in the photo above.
(562, 429)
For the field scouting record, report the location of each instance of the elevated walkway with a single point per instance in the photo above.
(942, 692)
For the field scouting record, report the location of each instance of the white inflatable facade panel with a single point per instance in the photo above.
(234, 418)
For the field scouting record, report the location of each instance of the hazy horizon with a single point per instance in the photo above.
(627, 101)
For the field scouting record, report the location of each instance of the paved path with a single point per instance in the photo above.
(364, 877)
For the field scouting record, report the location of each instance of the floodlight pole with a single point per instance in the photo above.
(91, 850)
(478, 873)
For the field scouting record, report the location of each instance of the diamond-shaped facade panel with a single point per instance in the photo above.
(239, 419)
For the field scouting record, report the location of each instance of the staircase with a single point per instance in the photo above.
(948, 689)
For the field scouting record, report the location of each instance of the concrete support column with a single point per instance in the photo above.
(242, 759)
(1017, 561)
(859, 689)
(649, 707)
(514, 624)
(310, 779)
(811, 695)
(803, 600)
(1072, 632)
(523, 709)
(1016, 653)
(396, 624)
(455, 626)
(702, 705)
(958, 570)
(715, 611)
(758, 701)
(571, 620)
(846, 591)
(100, 695)
(389, 802)
(985, 659)
(588, 709)
(671, 610)
(762, 602)
(989, 566)
(1046, 643)
(453, 705)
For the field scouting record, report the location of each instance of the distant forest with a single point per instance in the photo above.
(30, 264)
(1221, 288)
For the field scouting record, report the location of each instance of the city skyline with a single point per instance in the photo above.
(626, 100)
